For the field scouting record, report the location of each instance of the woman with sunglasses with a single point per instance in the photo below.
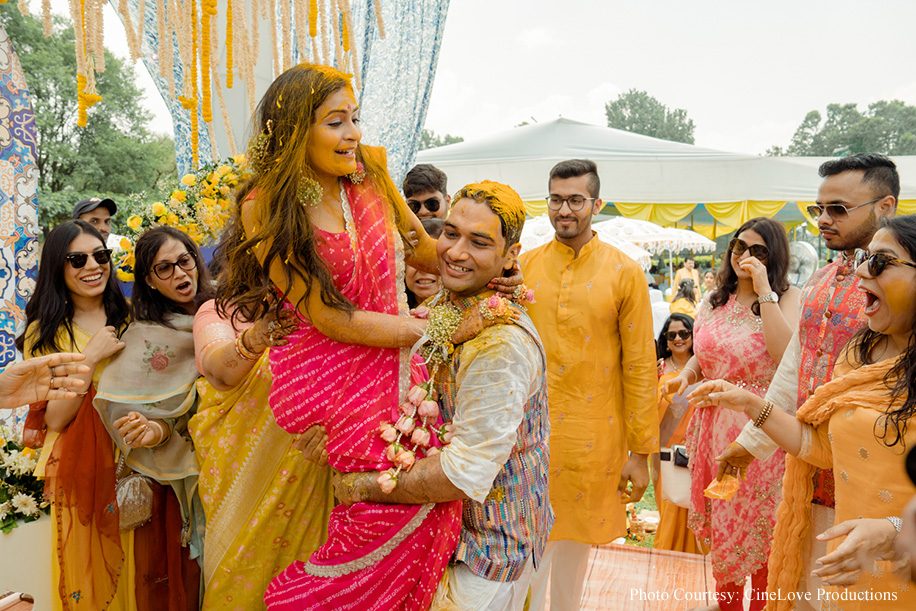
(742, 329)
(147, 395)
(860, 424)
(674, 348)
(77, 306)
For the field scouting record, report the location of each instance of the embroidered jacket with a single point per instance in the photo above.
(495, 392)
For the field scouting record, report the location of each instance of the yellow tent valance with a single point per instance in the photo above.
(660, 214)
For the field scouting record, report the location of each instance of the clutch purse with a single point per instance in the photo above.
(675, 475)
(134, 493)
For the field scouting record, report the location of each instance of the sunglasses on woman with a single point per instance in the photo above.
(78, 260)
(878, 262)
(673, 335)
(164, 270)
(759, 251)
(432, 204)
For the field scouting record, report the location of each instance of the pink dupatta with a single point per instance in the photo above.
(377, 556)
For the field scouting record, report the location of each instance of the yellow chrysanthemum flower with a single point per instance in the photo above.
(134, 222)
(125, 243)
(189, 179)
(172, 219)
(159, 209)
(179, 195)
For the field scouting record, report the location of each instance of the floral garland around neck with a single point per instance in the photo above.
(419, 430)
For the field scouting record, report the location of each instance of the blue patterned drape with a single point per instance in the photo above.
(18, 198)
(397, 73)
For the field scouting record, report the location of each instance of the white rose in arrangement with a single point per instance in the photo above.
(25, 504)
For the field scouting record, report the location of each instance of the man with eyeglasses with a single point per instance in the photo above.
(856, 192)
(593, 314)
(426, 192)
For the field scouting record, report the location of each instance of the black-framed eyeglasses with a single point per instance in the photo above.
(878, 262)
(575, 202)
(432, 204)
(78, 260)
(759, 251)
(673, 335)
(165, 269)
(837, 212)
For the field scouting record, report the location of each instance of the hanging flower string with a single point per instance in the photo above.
(419, 430)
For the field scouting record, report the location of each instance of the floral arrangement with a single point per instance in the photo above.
(21, 493)
(199, 206)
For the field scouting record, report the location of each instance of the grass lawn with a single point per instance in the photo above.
(647, 502)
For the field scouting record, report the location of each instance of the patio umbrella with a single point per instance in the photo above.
(539, 231)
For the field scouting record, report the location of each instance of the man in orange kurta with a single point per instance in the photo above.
(593, 315)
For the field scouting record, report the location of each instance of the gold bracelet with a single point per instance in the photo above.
(764, 414)
(242, 351)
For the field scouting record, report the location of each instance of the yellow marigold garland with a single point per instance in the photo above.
(229, 57)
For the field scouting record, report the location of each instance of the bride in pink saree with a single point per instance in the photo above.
(328, 228)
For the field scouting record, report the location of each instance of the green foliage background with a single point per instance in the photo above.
(114, 155)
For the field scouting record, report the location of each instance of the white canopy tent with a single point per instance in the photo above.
(633, 168)
(645, 178)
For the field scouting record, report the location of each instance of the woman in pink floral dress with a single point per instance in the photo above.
(742, 329)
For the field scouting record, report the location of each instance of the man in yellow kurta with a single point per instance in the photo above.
(593, 315)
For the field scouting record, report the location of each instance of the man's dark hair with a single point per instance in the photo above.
(425, 177)
(880, 173)
(573, 168)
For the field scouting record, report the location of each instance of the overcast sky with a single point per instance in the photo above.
(746, 71)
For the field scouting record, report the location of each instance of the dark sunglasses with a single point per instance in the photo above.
(878, 262)
(836, 211)
(78, 260)
(738, 246)
(164, 270)
(673, 335)
(432, 204)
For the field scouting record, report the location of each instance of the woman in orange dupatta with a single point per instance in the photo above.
(78, 306)
(860, 425)
(675, 347)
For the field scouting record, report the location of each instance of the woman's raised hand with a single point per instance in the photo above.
(102, 345)
(679, 383)
(758, 273)
(719, 393)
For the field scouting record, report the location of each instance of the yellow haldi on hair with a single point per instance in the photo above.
(503, 200)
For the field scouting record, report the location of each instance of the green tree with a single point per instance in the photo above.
(885, 127)
(114, 154)
(430, 140)
(638, 112)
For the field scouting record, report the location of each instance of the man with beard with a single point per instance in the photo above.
(593, 314)
(856, 192)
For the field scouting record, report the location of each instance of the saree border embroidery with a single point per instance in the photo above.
(339, 570)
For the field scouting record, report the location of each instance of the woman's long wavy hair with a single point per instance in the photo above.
(51, 305)
(661, 346)
(901, 379)
(286, 114)
(774, 236)
(148, 304)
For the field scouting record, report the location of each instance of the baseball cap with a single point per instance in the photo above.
(91, 203)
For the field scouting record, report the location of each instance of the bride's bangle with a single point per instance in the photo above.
(696, 376)
(243, 350)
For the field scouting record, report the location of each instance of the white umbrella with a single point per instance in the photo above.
(654, 238)
(539, 231)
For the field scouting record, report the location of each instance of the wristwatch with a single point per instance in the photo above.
(770, 297)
